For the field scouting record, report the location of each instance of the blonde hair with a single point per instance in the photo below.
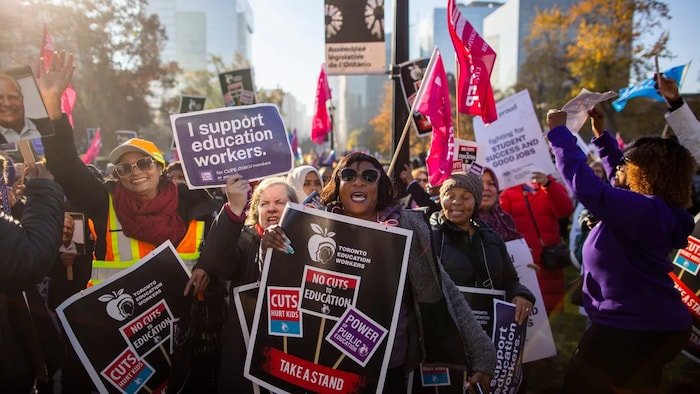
(253, 211)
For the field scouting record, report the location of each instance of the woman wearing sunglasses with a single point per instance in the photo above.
(638, 320)
(360, 188)
(139, 208)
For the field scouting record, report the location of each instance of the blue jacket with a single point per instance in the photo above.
(626, 256)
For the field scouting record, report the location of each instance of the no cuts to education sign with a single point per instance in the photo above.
(326, 316)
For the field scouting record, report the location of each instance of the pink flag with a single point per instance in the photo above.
(475, 60)
(68, 96)
(94, 149)
(321, 123)
(433, 101)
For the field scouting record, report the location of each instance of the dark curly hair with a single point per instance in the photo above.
(385, 193)
(661, 167)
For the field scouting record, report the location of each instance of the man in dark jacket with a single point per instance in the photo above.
(29, 249)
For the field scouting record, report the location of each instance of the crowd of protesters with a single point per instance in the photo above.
(637, 320)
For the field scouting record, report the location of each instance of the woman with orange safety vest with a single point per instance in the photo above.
(135, 211)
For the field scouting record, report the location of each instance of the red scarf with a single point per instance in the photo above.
(154, 221)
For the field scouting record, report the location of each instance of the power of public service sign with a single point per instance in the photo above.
(215, 144)
(326, 315)
(123, 328)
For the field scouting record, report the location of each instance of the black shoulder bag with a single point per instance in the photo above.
(553, 257)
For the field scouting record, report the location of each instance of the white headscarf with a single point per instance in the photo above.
(296, 179)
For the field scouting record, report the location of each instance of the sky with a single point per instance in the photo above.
(288, 42)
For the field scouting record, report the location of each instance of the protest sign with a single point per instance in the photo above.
(124, 135)
(122, 328)
(237, 87)
(539, 342)
(350, 275)
(687, 282)
(577, 108)
(411, 73)
(481, 302)
(515, 146)
(508, 339)
(467, 153)
(355, 37)
(191, 103)
(217, 143)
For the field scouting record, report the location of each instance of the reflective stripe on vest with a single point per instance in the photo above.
(122, 252)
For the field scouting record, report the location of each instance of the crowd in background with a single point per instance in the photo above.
(626, 209)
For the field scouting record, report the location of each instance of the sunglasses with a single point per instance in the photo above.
(126, 168)
(349, 175)
(422, 180)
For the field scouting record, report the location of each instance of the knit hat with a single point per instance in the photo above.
(137, 145)
(468, 181)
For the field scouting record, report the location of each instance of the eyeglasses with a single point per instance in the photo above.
(422, 180)
(126, 168)
(349, 175)
(621, 165)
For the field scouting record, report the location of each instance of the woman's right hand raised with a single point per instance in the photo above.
(54, 81)
(237, 191)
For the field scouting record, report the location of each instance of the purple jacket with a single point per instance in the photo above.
(626, 256)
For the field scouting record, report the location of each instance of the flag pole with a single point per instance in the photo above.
(457, 96)
(397, 150)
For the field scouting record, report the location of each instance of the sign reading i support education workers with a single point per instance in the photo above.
(351, 275)
(515, 146)
(247, 140)
(123, 328)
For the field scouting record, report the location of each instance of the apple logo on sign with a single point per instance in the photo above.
(120, 305)
(321, 245)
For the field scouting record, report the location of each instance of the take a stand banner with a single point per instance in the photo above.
(515, 145)
(326, 315)
(217, 143)
(122, 328)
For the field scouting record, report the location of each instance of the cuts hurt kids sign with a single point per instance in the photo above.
(345, 284)
(247, 140)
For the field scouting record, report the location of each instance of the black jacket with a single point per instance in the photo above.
(29, 250)
(462, 257)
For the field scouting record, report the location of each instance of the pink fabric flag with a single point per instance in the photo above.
(68, 97)
(94, 149)
(433, 101)
(321, 123)
(475, 59)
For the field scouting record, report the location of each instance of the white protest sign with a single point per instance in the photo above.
(577, 109)
(514, 143)
(539, 342)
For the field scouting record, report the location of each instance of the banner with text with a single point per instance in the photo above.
(217, 143)
(515, 146)
(686, 279)
(467, 153)
(539, 342)
(123, 328)
(238, 87)
(508, 339)
(411, 73)
(355, 37)
(191, 103)
(327, 314)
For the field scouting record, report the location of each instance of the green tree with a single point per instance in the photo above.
(594, 44)
(117, 49)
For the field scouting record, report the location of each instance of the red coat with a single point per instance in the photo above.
(548, 204)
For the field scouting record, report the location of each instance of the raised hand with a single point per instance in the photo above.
(237, 190)
(597, 121)
(54, 81)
